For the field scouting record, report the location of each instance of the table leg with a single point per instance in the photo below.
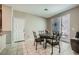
(52, 50)
(45, 44)
(52, 47)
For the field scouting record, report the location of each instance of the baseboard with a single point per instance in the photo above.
(19, 41)
(64, 41)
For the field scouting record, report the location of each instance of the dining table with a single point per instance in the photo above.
(45, 37)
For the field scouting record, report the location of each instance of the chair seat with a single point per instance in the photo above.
(39, 40)
(52, 43)
(55, 43)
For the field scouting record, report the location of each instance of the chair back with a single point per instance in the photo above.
(34, 34)
(77, 35)
(58, 37)
(55, 34)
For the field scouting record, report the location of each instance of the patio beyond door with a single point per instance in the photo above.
(65, 27)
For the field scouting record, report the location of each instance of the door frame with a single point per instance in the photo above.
(13, 27)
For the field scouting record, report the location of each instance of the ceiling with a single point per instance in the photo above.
(38, 9)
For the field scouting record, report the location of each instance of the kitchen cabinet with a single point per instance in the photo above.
(2, 41)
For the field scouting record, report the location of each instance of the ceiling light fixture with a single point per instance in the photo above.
(45, 9)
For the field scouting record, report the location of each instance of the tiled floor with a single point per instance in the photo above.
(27, 48)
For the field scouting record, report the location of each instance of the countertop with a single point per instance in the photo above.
(3, 32)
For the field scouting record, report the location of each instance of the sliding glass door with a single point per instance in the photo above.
(65, 27)
(62, 24)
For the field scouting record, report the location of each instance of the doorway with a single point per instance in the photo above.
(18, 29)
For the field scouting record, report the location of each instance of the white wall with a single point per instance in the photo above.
(32, 23)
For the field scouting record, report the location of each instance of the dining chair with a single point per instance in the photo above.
(55, 41)
(37, 39)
